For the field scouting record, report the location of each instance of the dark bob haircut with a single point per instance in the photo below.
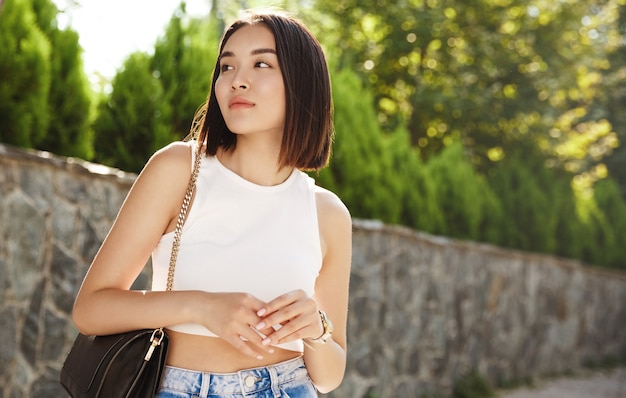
(309, 130)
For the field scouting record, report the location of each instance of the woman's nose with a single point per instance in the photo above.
(240, 82)
(242, 86)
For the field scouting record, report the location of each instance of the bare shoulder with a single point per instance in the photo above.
(174, 156)
(330, 206)
(335, 230)
(334, 220)
(164, 178)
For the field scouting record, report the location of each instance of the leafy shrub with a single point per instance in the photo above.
(470, 208)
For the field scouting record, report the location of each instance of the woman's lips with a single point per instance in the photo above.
(240, 103)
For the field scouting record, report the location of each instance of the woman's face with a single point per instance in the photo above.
(250, 89)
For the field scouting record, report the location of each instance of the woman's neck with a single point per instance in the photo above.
(255, 163)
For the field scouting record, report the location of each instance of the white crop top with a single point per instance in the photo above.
(243, 237)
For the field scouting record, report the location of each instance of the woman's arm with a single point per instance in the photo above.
(104, 303)
(326, 363)
(298, 313)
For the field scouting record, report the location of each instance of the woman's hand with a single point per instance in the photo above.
(233, 317)
(295, 312)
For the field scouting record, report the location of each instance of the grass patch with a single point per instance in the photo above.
(472, 385)
(607, 363)
(510, 384)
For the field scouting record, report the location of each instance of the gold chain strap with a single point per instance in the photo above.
(182, 216)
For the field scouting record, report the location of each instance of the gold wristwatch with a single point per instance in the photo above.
(328, 329)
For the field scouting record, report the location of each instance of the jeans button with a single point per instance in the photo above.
(249, 381)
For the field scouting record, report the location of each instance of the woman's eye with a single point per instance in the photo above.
(261, 64)
(225, 67)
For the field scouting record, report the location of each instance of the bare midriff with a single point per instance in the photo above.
(212, 354)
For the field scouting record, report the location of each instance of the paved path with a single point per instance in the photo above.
(601, 384)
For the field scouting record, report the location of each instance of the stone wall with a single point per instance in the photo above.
(424, 310)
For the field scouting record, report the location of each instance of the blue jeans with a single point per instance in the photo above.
(288, 379)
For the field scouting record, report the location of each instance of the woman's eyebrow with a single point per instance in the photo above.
(257, 51)
(263, 51)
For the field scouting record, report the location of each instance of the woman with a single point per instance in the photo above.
(259, 304)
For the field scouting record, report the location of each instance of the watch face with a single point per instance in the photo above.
(328, 325)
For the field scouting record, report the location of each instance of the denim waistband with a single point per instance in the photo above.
(246, 381)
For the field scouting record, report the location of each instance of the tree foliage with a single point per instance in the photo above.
(24, 76)
(533, 90)
(470, 208)
(130, 127)
(536, 202)
(45, 99)
(154, 97)
(183, 62)
(382, 176)
(607, 197)
(70, 98)
(491, 73)
(603, 216)
(614, 85)
(378, 176)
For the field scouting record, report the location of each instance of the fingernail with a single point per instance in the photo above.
(259, 357)
(271, 350)
(261, 312)
(266, 341)
(260, 326)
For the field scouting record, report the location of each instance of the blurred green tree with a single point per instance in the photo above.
(24, 76)
(360, 171)
(70, 99)
(130, 125)
(603, 215)
(154, 98)
(614, 84)
(538, 206)
(470, 208)
(532, 90)
(378, 176)
(183, 62)
(608, 197)
(490, 73)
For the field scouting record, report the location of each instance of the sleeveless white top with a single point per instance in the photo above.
(243, 237)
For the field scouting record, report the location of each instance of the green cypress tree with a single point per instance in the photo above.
(130, 125)
(70, 97)
(24, 76)
(614, 83)
(608, 199)
(183, 61)
(417, 191)
(154, 98)
(378, 175)
(539, 214)
(470, 208)
(597, 233)
(360, 171)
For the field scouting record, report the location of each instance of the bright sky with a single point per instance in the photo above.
(111, 30)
